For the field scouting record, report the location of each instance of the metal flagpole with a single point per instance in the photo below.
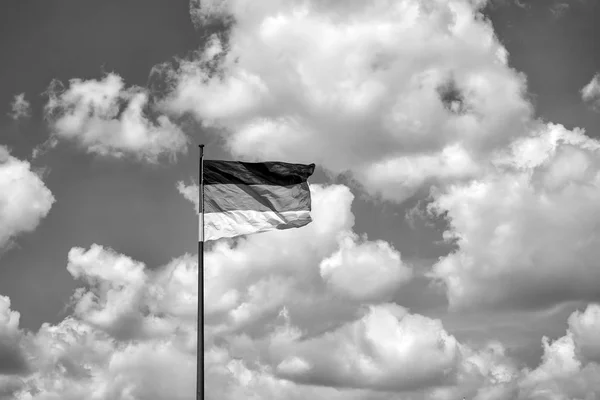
(200, 333)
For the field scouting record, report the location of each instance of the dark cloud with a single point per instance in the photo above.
(12, 359)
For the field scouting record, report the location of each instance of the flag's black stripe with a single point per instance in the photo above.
(231, 197)
(265, 173)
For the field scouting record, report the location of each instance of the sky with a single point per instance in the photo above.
(455, 236)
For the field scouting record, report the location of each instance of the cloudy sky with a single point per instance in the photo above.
(456, 204)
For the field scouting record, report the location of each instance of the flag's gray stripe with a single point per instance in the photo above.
(244, 222)
(266, 173)
(231, 197)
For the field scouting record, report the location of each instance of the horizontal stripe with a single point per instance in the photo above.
(230, 197)
(266, 173)
(236, 223)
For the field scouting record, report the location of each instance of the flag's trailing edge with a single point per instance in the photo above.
(242, 198)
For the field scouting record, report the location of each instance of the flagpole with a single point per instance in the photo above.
(200, 328)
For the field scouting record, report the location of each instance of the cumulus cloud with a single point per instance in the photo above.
(20, 108)
(121, 294)
(104, 117)
(74, 361)
(364, 271)
(12, 358)
(565, 371)
(131, 336)
(585, 327)
(402, 95)
(527, 233)
(590, 93)
(80, 357)
(387, 349)
(129, 323)
(24, 199)
(274, 329)
(115, 307)
(252, 282)
(398, 93)
(191, 193)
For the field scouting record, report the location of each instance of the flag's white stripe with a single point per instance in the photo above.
(243, 222)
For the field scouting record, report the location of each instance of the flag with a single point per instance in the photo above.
(242, 198)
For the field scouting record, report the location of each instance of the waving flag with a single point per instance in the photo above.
(242, 198)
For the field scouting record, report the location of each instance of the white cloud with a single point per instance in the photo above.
(24, 199)
(528, 232)
(405, 94)
(263, 273)
(590, 93)
(374, 353)
(387, 349)
(20, 108)
(399, 93)
(74, 361)
(190, 193)
(365, 271)
(585, 328)
(129, 323)
(132, 331)
(116, 282)
(103, 117)
(131, 336)
(12, 358)
(564, 373)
